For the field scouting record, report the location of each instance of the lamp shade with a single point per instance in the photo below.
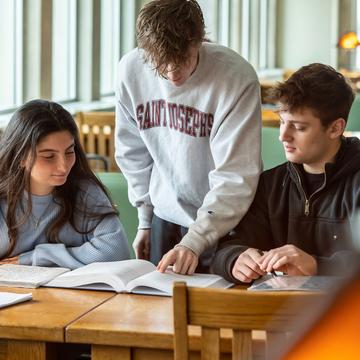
(349, 40)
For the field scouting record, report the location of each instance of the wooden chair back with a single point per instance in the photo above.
(97, 135)
(240, 310)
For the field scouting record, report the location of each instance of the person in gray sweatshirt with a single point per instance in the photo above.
(188, 125)
(53, 209)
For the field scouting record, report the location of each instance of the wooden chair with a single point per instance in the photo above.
(240, 310)
(97, 137)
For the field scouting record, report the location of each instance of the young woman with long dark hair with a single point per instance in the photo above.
(53, 209)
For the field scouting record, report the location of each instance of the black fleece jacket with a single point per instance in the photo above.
(282, 213)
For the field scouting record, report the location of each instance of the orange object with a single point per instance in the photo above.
(349, 40)
(336, 334)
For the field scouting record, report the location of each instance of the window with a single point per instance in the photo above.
(109, 44)
(247, 26)
(68, 50)
(224, 22)
(11, 54)
(64, 50)
(209, 9)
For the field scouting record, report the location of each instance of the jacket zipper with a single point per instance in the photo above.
(307, 200)
(307, 207)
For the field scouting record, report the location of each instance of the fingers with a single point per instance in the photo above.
(167, 260)
(246, 268)
(268, 261)
(143, 251)
(141, 244)
(146, 250)
(142, 254)
(278, 262)
(192, 266)
(138, 250)
(185, 263)
(183, 260)
(291, 258)
(244, 274)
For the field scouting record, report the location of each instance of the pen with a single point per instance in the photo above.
(273, 273)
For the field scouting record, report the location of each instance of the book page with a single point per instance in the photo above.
(163, 282)
(27, 276)
(296, 283)
(7, 298)
(115, 274)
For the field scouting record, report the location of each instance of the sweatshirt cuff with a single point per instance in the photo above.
(194, 242)
(224, 262)
(35, 258)
(26, 258)
(145, 214)
(229, 264)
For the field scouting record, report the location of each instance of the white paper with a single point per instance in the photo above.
(7, 298)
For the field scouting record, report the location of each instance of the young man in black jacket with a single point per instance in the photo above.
(300, 220)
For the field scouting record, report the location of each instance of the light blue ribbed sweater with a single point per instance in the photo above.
(107, 242)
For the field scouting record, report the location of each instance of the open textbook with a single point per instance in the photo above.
(296, 283)
(136, 276)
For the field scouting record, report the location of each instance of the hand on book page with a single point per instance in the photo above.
(138, 276)
(119, 276)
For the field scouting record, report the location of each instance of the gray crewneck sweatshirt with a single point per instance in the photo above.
(107, 242)
(191, 153)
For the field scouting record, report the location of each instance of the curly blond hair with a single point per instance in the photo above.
(166, 29)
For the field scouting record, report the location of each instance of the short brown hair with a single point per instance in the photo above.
(167, 28)
(318, 87)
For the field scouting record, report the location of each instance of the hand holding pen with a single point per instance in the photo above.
(246, 267)
(272, 272)
(288, 259)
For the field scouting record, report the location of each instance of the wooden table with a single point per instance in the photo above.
(117, 326)
(31, 330)
(137, 327)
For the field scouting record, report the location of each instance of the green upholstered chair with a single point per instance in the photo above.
(353, 123)
(116, 184)
(272, 150)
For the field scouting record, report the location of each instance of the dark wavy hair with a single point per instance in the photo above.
(318, 87)
(166, 29)
(29, 125)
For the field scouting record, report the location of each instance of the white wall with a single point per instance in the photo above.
(307, 32)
